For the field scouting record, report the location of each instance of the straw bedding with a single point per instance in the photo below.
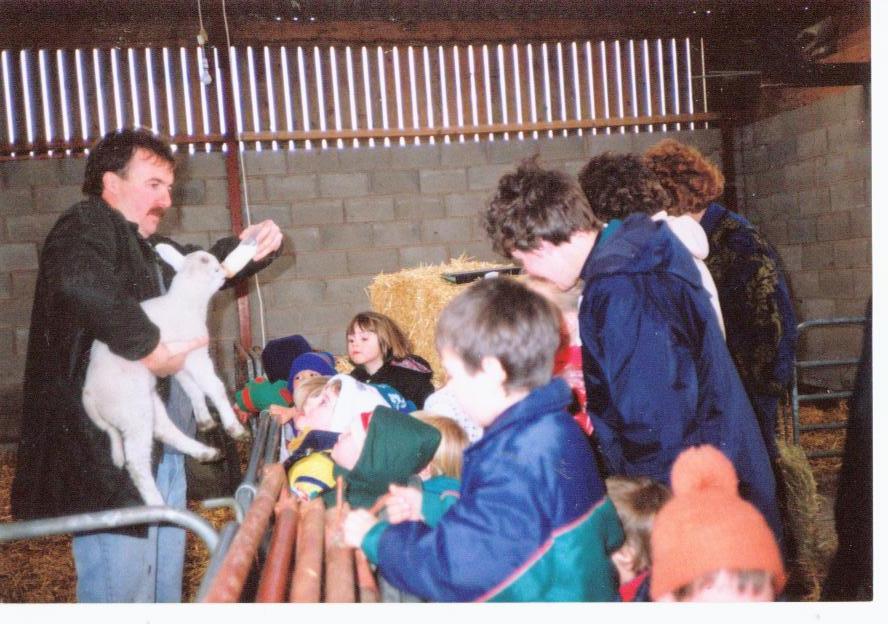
(42, 570)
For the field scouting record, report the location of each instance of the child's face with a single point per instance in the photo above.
(348, 447)
(318, 410)
(304, 374)
(363, 348)
(478, 393)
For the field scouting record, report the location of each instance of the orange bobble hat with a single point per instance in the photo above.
(706, 526)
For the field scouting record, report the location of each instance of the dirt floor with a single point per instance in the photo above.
(42, 570)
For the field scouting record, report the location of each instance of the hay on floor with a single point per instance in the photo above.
(414, 298)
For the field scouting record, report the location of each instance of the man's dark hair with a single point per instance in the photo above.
(501, 318)
(534, 205)
(114, 151)
(616, 185)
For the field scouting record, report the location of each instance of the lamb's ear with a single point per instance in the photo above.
(170, 255)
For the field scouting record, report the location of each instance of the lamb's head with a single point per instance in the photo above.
(199, 272)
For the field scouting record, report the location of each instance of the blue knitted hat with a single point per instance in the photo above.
(278, 355)
(320, 362)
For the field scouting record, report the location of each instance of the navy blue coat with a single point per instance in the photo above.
(658, 373)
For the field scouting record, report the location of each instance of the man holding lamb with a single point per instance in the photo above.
(96, 265)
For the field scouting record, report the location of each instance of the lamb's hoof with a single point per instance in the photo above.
(206, 425)
(209, 456)
(238, 433)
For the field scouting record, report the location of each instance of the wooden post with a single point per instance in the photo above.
(232, 172)
(339, 569)
(229, 581)
(276, 571)
(368, 591)
(306, 583)
(729, 168)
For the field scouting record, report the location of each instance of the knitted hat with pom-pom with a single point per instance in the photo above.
(706, 526)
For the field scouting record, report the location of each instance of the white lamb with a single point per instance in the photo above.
(120, 396)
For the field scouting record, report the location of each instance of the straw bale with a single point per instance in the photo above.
(414, 298)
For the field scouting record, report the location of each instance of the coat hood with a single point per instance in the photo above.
(688, 231)
(354, 399)
(641, 245)
(397, 447)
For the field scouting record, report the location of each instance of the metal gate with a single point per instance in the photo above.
(797, 398)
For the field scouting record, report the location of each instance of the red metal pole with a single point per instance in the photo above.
(306, 584)
(232, 172)
(229, 581)
(276, 571)
(367, 588)
(339, 576)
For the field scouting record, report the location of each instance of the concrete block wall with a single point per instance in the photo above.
(347, 215)
(804, 177)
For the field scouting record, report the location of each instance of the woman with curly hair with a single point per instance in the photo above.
(617, 185)
(759, 321)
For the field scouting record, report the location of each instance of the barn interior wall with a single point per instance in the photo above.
(348, 214)
(804, 178)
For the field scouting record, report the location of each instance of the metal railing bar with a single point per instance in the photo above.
(218, 556)
(111, 519)
(822, 426)
(825, 396)
(796, 398)
(822, 454)
(843, 320)
(825, 363)
(246, 491)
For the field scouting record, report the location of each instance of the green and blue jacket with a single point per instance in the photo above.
(532, 522)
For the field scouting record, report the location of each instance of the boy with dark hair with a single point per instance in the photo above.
(532, 521)
(658, 375)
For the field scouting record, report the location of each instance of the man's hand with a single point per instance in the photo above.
(169, 357)
(268, 237)
(356, 525)
(404, 504)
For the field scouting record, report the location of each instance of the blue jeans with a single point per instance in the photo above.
(122, 568)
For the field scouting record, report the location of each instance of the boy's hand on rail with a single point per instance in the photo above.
(169, 357)
(404, 504)
(282, 414)
(356, 525)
